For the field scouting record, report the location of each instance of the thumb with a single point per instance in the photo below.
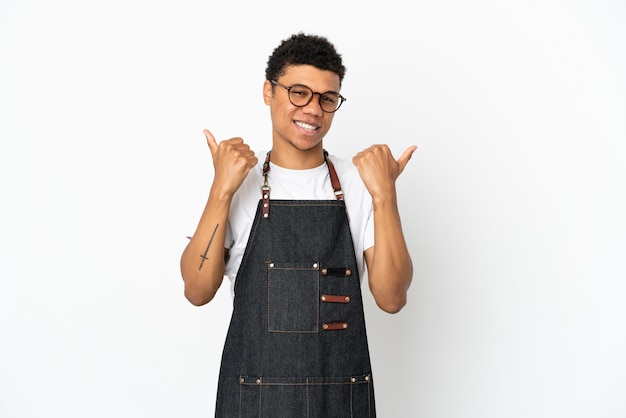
(210, 140)
(405, 157)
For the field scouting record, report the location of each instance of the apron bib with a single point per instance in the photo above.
(297, 345)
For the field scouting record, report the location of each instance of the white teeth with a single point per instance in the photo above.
(306, 125)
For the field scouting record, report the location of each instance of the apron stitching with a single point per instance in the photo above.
(369, 399)
(272, 266)
(351, 412)
(307, 398)
(260, 400)
(269, 328)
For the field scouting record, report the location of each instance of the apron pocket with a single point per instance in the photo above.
(293, 297)
(327, 397)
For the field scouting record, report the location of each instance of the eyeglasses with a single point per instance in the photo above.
(301, 95)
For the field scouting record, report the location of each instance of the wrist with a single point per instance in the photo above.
(384, 197)
(221, 193)
(384, 203)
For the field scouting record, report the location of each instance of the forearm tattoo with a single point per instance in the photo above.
(203, 256)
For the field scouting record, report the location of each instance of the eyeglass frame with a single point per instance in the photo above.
(288, 88)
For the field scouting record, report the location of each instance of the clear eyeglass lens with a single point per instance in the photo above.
(302, 95)
(330, 101)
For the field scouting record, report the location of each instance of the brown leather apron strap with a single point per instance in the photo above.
(335, 299)
(265, 188)
(334, 180)
(334, 326)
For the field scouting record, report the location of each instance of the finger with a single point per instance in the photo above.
(210, 140)
(405, 157)
(252, 161)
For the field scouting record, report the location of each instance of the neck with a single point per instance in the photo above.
(296, 159)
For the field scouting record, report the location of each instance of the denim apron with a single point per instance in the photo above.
(297, 345)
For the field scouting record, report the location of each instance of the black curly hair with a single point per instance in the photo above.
(303, 49)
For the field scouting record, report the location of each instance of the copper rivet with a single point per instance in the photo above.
(265, 196)
(348, 272)
(241, 380)
(258, 381)
(367, 378)
(314, 265)
(325, 326)
(265, 215)
(344, 326)
(271, 264)
(323, 298)
(353, 379)
(265, 205)
(347, 298)
(324, 272)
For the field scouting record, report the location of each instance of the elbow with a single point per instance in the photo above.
(198, 297)
(390, 299)
(197, 300)
(390, 294)
(392, 305)
(200, 290)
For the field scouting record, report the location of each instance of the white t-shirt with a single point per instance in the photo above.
(311, 184)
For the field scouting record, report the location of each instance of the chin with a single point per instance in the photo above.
(308, 147)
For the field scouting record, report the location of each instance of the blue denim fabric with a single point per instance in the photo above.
(278, 359)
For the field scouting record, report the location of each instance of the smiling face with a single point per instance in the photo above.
(297, 132)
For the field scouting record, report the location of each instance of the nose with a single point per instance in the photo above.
(314, 106)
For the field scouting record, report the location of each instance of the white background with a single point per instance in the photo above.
(513, 204)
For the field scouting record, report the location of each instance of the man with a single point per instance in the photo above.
(297, 345)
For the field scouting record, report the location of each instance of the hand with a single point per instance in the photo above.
(232, 161)
(379, 170)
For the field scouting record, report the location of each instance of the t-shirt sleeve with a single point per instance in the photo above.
(228, 238)
(368, 235)
(230, 268)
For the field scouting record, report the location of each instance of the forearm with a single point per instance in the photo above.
(202, 261)
(390, 269)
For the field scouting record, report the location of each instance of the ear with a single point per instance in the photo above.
(267, 92)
